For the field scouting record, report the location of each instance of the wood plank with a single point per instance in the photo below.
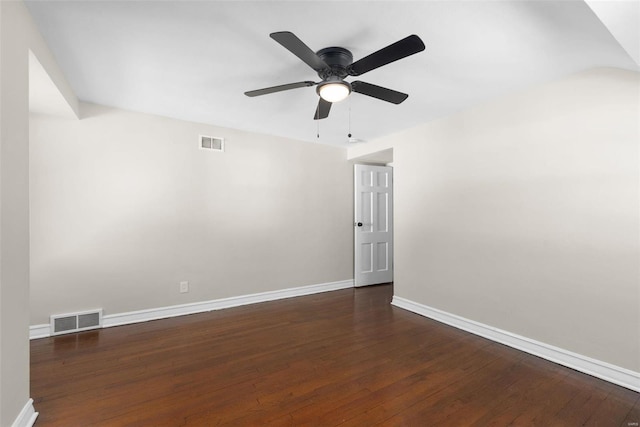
(339, 358)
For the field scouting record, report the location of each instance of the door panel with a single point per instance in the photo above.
(373, 224)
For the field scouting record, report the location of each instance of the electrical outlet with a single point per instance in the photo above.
(184, 287)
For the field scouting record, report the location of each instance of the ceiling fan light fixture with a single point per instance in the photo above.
(334, 90)
(335, 63)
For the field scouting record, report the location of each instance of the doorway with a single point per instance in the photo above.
(373, 224)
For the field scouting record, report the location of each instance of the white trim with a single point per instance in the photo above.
(597, 368)
(42, 331)
(39, 331)
(27, 416)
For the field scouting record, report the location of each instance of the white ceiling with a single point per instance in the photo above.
(194, 60)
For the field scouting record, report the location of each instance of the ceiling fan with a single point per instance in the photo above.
(333, 64)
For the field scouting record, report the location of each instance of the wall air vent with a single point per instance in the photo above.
(211, 143)
(75, 322)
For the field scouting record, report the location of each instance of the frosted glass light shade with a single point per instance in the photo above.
(334, 92)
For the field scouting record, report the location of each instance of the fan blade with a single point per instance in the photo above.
(322, 112)
(291, 42)
(378, 92)
(280, 88)
(398, 50)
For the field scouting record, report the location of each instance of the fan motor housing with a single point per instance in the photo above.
(338, 59)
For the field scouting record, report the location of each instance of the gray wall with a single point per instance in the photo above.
(523, 214)
(16, 37)
(14, 211)
(125, 205)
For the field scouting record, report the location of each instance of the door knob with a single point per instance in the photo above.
(359, 224)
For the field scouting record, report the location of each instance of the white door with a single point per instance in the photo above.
(373, 224)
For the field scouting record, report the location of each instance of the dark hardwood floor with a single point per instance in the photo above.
(338, 358)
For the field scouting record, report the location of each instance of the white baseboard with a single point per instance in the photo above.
(42, 331)
(39, 331)
(597, 368)
(27, 416)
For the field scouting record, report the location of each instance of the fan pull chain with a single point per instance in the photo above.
(317, 128)
(349, 134)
